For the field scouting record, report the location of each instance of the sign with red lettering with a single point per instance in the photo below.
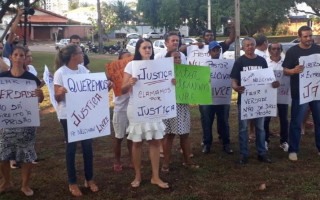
(87, 103)
(153, 94)
(18, 103)
(284, 93)
(309, 79)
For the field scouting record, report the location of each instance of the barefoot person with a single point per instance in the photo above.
(18, 143)
(179, 125)
(137, 131)
(67, 62)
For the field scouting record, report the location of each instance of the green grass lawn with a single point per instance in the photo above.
(219, 177)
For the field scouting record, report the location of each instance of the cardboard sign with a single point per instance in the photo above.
(18, 103)
(87, 104)
(48, 79)
(153, 94)
(221, 82)
(115, 73)
(193, 86)
(310, 78)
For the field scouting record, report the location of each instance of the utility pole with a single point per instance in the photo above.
(99, 27)
(209, 14)
(237, 27)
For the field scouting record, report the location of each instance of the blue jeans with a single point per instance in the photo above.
(71, 154)
(284, 123)
(207, 117)
(297, 115)
(243, 135)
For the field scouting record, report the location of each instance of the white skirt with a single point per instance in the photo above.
(138, 131)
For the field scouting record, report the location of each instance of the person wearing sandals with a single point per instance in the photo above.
(68, 61)
(137, 131)
(120, 123)
(179, 125)
(18, 143)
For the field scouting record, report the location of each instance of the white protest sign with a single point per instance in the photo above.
(260, 76)
(87, 104)
(258, 101)
(221, 82)
(309, 79)
(48, 79)
(197, 56)
(283, 94)
(153, 94)
(18, 103)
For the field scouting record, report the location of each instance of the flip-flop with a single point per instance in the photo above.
(191, 165)
(28, 193)
(117, 167)
(135, 184)
(165, 169)
(162, 185)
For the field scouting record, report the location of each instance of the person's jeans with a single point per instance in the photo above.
(243, 135)
(207, 117)
(71, 154)
(297, 115)
(284, 124)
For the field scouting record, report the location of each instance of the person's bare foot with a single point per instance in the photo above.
(135, 183)
(4, 186)
(27, 191)
(160, 183)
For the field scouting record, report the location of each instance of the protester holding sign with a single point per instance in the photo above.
(293, 68)
(247, 62)
(68, 61)
(18, 142)
(208, 112)
(179, 125)
(275, 62)
(152, 131)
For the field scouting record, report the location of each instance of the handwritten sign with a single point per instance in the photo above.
(261, 76)
(283, 91)
(18, 103)
(259, 98)
(87, 105)
(197, 56)
(48, 79)
(258, 101)
(153, 94)
(310, 78)
(221, 82)
(115, 73)
(193, 86)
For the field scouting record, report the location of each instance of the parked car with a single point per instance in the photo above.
(62, 43)
(132, 36)
(230, 53)
(286, 46)
(153, 35)
(188, 41)
(158, 45)
(131, 46)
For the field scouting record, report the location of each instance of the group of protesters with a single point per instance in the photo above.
(18, 143)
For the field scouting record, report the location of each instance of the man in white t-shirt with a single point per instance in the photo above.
(171, 40)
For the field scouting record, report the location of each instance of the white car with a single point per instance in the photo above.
(158, 45)
(230, 53)
(153, 35)
(131, 46)
(132, 36)
(62, 43)
(187, 41)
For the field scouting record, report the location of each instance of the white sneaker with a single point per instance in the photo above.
(293, 156)
(284, 146)
(266, 145)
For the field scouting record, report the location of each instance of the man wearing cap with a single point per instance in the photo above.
(209, 111)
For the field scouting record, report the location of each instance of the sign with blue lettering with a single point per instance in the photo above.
(153, 94)
(309, 79)
(18, 103)
(87, 103)
(259, 98)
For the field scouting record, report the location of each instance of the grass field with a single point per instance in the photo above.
(219, 177)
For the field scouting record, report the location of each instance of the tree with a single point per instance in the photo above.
(314, 4)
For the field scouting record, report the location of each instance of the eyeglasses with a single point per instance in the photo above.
(276, 49)
(146, 48)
